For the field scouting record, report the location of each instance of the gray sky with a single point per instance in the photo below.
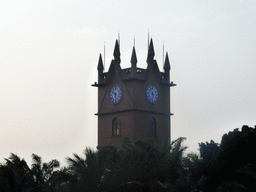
(48, 60)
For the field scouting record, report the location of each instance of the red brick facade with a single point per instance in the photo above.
(129, 112)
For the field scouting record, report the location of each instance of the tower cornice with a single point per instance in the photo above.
(129, 110)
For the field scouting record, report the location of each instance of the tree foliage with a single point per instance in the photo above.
(16, 175)
(142, 166)
(233, 165)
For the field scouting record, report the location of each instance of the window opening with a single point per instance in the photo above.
(115, 127)
(152, 127)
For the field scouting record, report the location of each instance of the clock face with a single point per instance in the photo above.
(152, 94)
(115, 94)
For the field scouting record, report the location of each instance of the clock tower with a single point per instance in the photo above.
(133, 102)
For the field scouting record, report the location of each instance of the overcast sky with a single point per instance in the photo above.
(49, 53)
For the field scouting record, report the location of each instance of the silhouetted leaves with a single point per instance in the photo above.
(87, 170)
(19, 177)
(142, 166)
(232, 167)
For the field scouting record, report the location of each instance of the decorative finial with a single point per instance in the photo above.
(119, 37)
(117, 52)
(163, 53)
(134, 41)
(100, 64)
(104, 55)
(151, 52)
(167, 62)
(133, 58)
(148, 38)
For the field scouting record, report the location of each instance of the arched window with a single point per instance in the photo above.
(115, 127)
(152, 127)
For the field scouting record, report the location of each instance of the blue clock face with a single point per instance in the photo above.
(152, 94)
(115, 94)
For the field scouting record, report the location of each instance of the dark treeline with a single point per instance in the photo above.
(142, 166)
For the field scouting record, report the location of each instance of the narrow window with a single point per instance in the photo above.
(152, 127)
(115, 127)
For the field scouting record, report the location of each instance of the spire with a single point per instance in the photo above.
(167, 62)
(133, 58)
(117, 52)
(100, 69)
(148, 38)
(100, 64)
(118, 37)
(151, 52)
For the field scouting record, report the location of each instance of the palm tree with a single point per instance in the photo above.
(42, 172)
(145, 165)
(88, 171)
(61, 180)
(24, 180)
(135, 166)
(8, 178)
(177, 150)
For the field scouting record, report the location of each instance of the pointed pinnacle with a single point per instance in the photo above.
(100, 64)
(167, 62)
(151, 52)
(134, 57)
(117, 51)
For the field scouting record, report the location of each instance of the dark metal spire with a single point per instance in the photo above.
(151, 52)
(117, 52)
(167, 62)
(133, 58)
(100, 64)
(100, 69)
